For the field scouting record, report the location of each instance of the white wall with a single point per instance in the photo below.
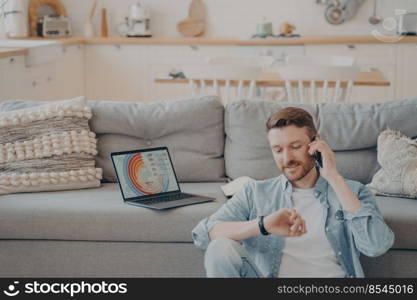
(237, 18)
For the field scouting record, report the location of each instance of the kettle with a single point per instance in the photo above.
(137, 23)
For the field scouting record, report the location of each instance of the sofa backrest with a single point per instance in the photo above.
(192, 129)
(351, 130)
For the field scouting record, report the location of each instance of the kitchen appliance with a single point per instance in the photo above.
(54, 26)
(407, 24)
(137, 23)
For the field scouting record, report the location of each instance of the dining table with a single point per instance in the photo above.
(371, 77)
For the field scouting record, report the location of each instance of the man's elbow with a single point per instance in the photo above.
(378, 249)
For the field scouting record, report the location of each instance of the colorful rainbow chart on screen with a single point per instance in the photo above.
(146, 174)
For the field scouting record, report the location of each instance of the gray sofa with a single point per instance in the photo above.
(92, 233)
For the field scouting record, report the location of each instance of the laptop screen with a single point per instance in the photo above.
(145, 172)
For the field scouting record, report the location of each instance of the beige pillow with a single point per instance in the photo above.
(397, 155)
(48, 147)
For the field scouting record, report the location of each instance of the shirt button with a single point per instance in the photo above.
(316, 194)
(327, 228)
(339, 253)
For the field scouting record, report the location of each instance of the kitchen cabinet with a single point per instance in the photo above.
(56, 80)
(407, 71)
(368, 56)
(127, 71)
(69, 74)
(116, 72)
(40, 83)
(11, 72)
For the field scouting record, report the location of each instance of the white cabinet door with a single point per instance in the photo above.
(407, 71)
(368, 56)
(12, 85)
(116, 72)
(70, 73)
(40, 82)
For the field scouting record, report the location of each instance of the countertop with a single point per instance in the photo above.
(305, 40)
(7, 52)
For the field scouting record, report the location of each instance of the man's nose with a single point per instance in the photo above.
(287, 157)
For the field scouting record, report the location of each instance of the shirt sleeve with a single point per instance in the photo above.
(236, 209)
(371, 234)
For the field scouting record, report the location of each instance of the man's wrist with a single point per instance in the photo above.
(261, 226)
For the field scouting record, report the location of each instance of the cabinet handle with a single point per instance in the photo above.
(34, 83)
(194, 47)
(117, 46)
(352, 47)
(12, 60)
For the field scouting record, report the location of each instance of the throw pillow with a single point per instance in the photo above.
(397, 155)
(48, 147)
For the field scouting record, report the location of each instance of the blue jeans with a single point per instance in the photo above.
(227, 258)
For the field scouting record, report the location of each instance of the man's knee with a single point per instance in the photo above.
(223, 250)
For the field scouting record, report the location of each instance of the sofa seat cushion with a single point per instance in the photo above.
(401, 216)
(100, 215)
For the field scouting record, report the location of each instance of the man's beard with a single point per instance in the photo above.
(302, 170)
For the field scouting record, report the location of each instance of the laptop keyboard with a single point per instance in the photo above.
(167, 198)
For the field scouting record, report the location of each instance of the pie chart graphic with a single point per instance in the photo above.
(145, 175)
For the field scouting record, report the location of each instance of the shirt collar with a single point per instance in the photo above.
(320, 187)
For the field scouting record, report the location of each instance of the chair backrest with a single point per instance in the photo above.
(319, 78)
(239, 81)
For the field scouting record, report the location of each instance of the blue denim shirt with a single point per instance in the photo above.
(349, 233)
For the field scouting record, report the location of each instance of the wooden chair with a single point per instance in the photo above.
(319, 79)
(229, 82)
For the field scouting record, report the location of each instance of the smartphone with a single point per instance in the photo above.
(317, 157)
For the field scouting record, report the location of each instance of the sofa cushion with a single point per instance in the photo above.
(192, 129)
(397, 155)
(351, 130)
(48, 147)
(101, 215)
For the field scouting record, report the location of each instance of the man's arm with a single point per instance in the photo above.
(284, 222)
(237, 231)
(371, 235)
(346, 197)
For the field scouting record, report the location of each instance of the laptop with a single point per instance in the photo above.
(147, 178)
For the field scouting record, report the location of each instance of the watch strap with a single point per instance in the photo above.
(262, 226)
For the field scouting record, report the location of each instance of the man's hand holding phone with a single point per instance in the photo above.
(328, 169)
(286, 223)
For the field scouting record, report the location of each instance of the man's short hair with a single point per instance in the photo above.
(292, 116)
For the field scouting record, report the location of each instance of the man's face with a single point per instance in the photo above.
(289, 147)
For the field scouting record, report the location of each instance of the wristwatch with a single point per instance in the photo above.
(261, 225)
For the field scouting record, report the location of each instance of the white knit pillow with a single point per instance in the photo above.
(397, 155)
(48, 147)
